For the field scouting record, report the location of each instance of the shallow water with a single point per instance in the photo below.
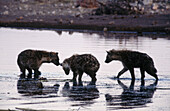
(108, 94)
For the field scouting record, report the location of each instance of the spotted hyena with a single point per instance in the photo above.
(32, 60)
(131, 60)
(81, 63)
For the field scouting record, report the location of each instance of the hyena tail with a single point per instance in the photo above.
(152, 71)
(18, 61)
(155, 70)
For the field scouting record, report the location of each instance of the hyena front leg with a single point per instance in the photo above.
(122, 71)
(74, 78)
(29, 73)
(80, 78)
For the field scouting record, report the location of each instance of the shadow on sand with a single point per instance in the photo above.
(131, 98)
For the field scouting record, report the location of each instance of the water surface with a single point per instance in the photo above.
(108, 94)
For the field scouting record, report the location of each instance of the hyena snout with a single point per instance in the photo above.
(54, 58)
(108, 60)
(66, 70)
(56, 62)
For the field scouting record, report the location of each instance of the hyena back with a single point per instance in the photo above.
(131, 60)
(33, 59)
(81, 63)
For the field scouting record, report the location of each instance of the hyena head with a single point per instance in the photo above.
(66, 67)
(54, 58)
(112, 55)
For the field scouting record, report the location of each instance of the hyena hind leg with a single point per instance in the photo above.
(93, 78)
(132, 73)
(22, 75)
(36, 73)
(29, 73)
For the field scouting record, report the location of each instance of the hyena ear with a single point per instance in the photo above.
(108, 52)
(113, 50)
(56, 53)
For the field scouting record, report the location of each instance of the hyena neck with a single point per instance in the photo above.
(120, 55)
(45, 60)
(66, 65)
(118, 58)
(44, 56)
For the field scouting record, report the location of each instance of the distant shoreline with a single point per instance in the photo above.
(137, 23)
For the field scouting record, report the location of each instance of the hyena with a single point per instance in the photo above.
(33, 59)
(131, 60)
(81, 63)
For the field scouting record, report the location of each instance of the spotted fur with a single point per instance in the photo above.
(81, 63)
(33, 59)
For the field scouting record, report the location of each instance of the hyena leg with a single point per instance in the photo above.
(22, 75)
(80, 78)
(142, 73)
(29, 73)
(152, 73)
(121, 72)
(74, 78)
(36, 73)
(132, 73)
(22, 69)
(93, 77)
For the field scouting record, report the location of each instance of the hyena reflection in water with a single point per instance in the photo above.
(79, 64)
(33, 59)
(131, 60)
